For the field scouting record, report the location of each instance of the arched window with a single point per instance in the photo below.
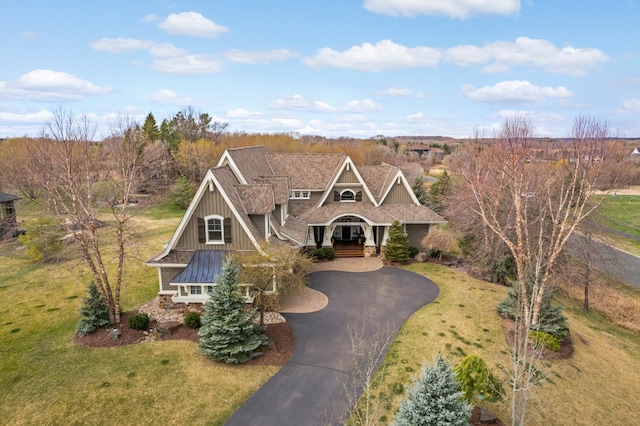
(347, 195)
(215, 230)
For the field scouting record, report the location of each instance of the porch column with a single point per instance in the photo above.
(328, 234)
(368, 235)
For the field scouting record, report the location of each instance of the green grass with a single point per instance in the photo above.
(46, 378)
(621, 213)
(592, 387)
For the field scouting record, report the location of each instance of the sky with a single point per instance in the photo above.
(333, 68)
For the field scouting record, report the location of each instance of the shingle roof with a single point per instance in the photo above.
(293, 228)
(257, 199)
(228, 182)
(378, 178)
(251, 161)
(281, 187)
(386, 214)
(307, 171)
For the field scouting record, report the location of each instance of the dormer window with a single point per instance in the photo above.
(300, 195)
(347, 195)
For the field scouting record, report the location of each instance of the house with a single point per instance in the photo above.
(8, 223)
(303, 200)
(636, 152)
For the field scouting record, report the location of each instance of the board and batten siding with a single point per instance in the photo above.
(348, 176)
(212, 203)
(398, 194)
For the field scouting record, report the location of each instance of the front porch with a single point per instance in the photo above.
(349, 236)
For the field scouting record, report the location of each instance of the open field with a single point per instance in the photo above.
(619, 215)
(592, 387)
(46, 379)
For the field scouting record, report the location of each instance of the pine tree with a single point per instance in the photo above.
(438, 191)
(228, 332)
(150, 128)
(397, 244)
(434, 399)
(419, 191)
(94, 311)
(182, 192)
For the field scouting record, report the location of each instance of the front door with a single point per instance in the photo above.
(346, 232)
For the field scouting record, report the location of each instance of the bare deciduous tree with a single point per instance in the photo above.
(79, 177)
(533, 198)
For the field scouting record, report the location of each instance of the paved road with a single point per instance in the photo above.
(609, 259)
(309, 389)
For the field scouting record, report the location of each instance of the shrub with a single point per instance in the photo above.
(435, 253)
(139, 322)
(318, 253)
(549, 341)
(329, 253)
(94, 312)
(476, 380)
(413, 251)
(192, 320)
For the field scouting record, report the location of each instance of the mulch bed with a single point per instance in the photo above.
(565, 352)
(281, 339)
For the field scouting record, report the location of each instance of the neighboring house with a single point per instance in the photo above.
(8, 223)
(304, 200)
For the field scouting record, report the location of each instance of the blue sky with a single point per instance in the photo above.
(355, 68)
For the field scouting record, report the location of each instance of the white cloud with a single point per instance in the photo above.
(120, 44)
(518, 91)
(499, 56)
(299, 102)
(264, 57)
(401, 92)
(460, 9)
(382, 56)
(543, 54)
(191, 24)
(169, 97)
(631, 105)
(50, 86)
(241, 113)
(38, 117)
(151, 18)
(188, 64)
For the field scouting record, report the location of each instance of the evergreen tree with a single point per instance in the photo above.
(228, 332)
(397, 244)
(438, 191)
(169, 135)
(419, 191)
(181, 193)
(94, 311)
(150, 128)
(434, 399)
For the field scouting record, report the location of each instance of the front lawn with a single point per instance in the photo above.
(592, 387)
(47, 379)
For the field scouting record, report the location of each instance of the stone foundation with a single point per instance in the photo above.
(370, 251)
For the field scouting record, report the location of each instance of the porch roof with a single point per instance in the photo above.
(204, 267)
(383, 215)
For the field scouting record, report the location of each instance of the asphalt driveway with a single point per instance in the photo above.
(309, 389)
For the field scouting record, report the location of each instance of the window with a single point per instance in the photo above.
(214, 229)
(347, 195)
(300, 195)
(209, 289)
(195, 289)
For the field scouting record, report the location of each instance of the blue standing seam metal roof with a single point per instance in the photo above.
(204, 267)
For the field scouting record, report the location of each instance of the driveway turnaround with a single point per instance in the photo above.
(309, 390)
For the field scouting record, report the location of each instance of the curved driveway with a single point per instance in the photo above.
(309, 389)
